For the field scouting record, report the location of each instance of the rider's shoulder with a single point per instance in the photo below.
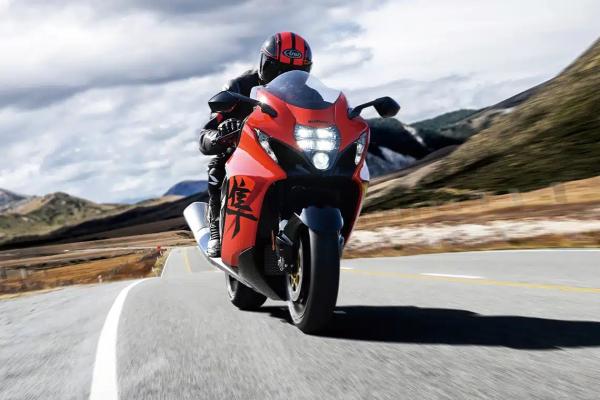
(243, 83)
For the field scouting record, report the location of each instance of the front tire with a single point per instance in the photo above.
(313, 287)
(242, 296)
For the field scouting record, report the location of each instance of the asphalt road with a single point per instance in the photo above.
(489, 325)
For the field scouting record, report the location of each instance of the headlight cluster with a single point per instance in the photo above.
(319, 144)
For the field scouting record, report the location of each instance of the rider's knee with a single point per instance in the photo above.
(215, 177)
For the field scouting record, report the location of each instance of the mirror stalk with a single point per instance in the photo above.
(386, 107)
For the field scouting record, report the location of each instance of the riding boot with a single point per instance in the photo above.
(216, 173)
(214, 244)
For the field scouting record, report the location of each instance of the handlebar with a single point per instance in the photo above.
(229, 137)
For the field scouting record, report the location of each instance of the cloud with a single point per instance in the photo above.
(104, 99)
(98, 142)
(420, 99)
(53, 50)
(112, 7)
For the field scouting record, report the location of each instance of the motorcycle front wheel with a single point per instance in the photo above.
(312, 287)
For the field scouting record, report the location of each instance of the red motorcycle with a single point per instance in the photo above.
(293, 190)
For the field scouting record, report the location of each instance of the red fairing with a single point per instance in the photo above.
(251, 171)
(363, 186)
(282, 127)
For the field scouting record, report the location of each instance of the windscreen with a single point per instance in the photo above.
(301, 89)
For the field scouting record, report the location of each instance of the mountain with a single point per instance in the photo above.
(551, 136)
(8, 198)
(59, 217)
(41, 214)
(473, 123)
(187, 188)
(138, 219)
(546, 135)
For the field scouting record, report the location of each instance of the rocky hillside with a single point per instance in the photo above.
(8, 199)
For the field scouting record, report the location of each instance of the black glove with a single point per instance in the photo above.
(228, 131)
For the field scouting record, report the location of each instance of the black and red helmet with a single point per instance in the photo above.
(283, 52)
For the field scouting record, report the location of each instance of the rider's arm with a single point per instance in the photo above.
(209, 135)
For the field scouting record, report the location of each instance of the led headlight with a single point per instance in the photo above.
(360, 147)
(263, 140)
(319, 144)
(320, 160)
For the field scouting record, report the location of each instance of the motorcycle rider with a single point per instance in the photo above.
(282, 52)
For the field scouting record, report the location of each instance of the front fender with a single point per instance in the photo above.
(317, 220)
(322, 219)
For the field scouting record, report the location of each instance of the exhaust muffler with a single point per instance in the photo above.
(196, 216)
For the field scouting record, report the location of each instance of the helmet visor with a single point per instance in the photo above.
(271, 68)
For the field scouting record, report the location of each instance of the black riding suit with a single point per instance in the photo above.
(208, 146)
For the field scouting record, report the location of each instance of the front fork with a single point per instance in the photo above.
(319, 219)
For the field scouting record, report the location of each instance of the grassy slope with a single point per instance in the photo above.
(43, 214)
(552, 137)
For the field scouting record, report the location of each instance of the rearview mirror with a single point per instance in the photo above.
(386, 107)
(223, 102)
(226, 101)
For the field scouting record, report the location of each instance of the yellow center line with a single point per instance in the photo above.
(186, 261)
(485, 282)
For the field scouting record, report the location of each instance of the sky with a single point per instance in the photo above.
(104, 100)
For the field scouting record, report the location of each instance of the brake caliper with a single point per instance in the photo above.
(286, 244)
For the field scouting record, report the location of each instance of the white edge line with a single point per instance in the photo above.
(171, 252)
(348, 268)
(453, 276)
(104, 378)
